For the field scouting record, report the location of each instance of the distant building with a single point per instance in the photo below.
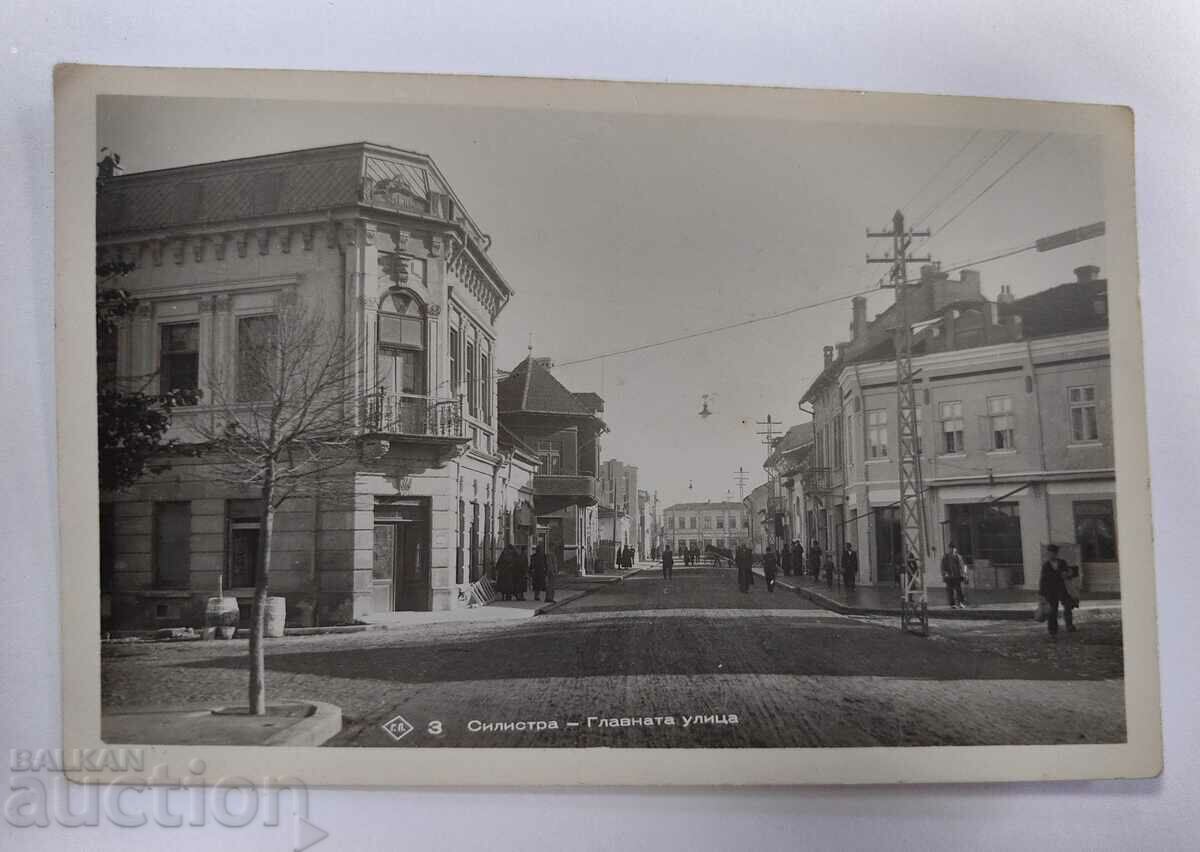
(700, 524)
(563, 429)
(785, 466)
(617, 488)
(1015, 432)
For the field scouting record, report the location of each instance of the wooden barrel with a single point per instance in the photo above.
(276, 617)
(222, 615)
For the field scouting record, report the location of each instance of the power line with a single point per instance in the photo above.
(940, 171)
(1007, 138)
(985, 190)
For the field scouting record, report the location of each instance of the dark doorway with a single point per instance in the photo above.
(889, 544)
(400, 569)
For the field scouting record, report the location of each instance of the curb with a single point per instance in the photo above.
(324, 723)
(981, 614)
(598, 585)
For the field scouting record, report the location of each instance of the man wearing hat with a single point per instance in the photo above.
(1053, 589)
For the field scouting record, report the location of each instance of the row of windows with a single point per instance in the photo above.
(471, 365)
(707, 522)
(999, 426)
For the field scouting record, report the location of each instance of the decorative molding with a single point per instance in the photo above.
(332, 232)
(221, 245)
(401, 239)
(156, 250)
(434, 309)
(206, 304)
(435, 245)
(306, 236)
(287, 297)
(222, 303)
(243, 240)
(285, 240)
(144, 310)
(369, 232)
(264, 241)
(198, 247)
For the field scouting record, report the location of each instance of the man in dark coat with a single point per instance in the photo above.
(745, 567)
(814, 560)
(668, 562)
(551, 576)
(537, 572)
(850, 566)
(953, 572)
(1053, 588)
(797, 558)
(770, 567)
(520, 575)
(505, 566)
(785, 559)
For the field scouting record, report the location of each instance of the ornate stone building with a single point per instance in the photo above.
(376, 239)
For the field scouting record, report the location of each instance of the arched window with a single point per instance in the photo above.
(400, 358)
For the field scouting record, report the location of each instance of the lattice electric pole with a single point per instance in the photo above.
(914, 603)
(740, 479)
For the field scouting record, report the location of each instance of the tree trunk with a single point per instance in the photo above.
(258, 613)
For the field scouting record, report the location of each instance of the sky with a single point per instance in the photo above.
(619, 230)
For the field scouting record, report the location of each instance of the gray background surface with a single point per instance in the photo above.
(1106, 51)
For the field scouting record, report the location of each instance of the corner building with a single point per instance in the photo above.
(374, 237)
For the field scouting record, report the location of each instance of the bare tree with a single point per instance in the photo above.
(284, 419)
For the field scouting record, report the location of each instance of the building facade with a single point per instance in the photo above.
(563, 430)
(1015, 436)
(789, 460)
(375, 240)
(724, 524)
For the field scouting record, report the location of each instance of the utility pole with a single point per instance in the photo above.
(914, 604)
(769, 439)
(740, 478)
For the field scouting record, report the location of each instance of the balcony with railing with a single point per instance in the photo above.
(817, 480)
(395, 415)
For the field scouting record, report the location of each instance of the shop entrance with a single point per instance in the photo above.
(400, 569)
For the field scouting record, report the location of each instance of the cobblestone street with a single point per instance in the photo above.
(793, 675)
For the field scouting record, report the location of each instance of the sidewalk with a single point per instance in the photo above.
(567, 589)
(982, 604)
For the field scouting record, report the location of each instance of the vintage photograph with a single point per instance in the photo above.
(431, 426)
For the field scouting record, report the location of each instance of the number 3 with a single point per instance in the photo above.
(435, 728)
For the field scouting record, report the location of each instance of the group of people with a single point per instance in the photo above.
(515, 575)
(790, 560)
(625, 557)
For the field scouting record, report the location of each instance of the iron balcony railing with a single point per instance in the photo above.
(393, 414)
(817, 480)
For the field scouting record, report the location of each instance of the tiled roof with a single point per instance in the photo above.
(283, 184)
(794, 438)
(530, 387)
(1065, 309)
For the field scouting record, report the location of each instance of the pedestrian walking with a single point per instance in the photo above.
(668, 562)
(953, 574)
(850, 566)
(814, 560)
(785, 559)
(505, 566)
(551, 576)
(1053, 588)
(797, 558)
(770, 567)
(828, 567)
(745, 568)
(520, 575)
(537, 572)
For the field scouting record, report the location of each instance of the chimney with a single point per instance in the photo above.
(1006, 295)
(544, 363)
(828, 355)
(1084, 274)
(858, 326)
(970, 278)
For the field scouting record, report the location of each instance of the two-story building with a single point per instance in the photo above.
(721, 524)
(375, 240)
(786, 466)
(1014, 433)
(563, 429)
